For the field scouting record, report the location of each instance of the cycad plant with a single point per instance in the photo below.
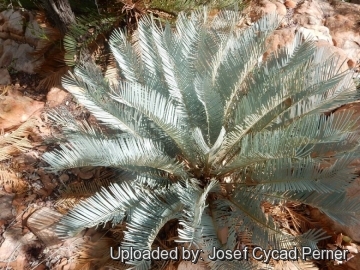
(211, 131)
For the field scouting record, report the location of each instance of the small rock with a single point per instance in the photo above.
(9, 49)
(4, 77)
(33, 32)
(267, 7)
(311, 12)
(55, 97)
(16, 109)
(313, 21)
(340, 22)
(64, 177)
(16, 23)
(84, 172)
(290, 4)
(319, 32)
(23, 59)
(280, 9)
(331, 50)
(5, 15)
(4, 28)
(47, 183)
(279, 39)
(348, 41)
(351, 63)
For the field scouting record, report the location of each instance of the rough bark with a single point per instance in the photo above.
(59, 12)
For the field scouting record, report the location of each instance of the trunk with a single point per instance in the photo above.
(59, 12)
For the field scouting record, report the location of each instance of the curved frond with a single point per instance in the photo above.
(94, 151)
(194, 201)
(107, 205)
(159, 109)
(146, 221)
